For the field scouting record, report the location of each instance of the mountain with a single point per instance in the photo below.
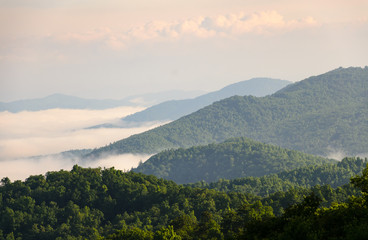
(335, 174)
(174, 109)
(234, 158)
(71, 102)
(318, 115)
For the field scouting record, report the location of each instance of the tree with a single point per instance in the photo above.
(361, 181)
(166, 233)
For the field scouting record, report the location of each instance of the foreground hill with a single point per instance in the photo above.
(172, 110)
(110, 204)
(316, 115)
(231, 159)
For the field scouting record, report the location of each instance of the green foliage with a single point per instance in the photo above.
(334, 174)
(315, 115)
(135, 206)
(234, 158)
(131, 234)
(348, 220)
(361, 181)
(87, 203)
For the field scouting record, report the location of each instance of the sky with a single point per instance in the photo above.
(118, 48)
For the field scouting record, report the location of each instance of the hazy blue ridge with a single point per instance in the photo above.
(234, 158)
(319, 115)
(174, 109)
(71, 102)
(61, 101)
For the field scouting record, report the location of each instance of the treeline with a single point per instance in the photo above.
(87, 203)
(234, 158)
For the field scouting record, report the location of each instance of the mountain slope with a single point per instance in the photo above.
(316, 115)
(234, 158)
(172, 110)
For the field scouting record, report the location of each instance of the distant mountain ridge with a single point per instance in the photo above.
(174, 109)
(71, 102)
(316, 115)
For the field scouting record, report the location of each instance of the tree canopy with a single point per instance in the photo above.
(87, 203)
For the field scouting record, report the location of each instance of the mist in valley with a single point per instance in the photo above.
(30, 141)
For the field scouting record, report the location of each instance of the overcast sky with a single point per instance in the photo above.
(116, 48)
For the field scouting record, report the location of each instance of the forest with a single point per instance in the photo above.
(87, 203)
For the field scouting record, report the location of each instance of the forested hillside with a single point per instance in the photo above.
(333, 174)
(234, 158)
(109, 204)
(318, 115)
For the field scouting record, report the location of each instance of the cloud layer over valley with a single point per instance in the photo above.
(27, 134)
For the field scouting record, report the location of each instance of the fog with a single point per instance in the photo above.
(27, 134)
(339, 154)
(20, 169)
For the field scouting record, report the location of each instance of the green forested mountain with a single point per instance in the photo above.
(316, 115)
(89, 203)
(234, 158)
(333, 174)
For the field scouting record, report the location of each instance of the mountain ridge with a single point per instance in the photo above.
(65, 101)
(320, 113)
(174, 109)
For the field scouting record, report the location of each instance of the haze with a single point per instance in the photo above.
(111, 49)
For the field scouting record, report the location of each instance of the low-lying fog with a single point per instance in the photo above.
(27, 134)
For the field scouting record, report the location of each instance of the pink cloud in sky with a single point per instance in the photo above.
(230, 25)
(49, 46)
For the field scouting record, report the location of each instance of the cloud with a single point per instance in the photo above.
(121, 161)
(339, 154)
(41, 165)
(45, 132)
(230, 25)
